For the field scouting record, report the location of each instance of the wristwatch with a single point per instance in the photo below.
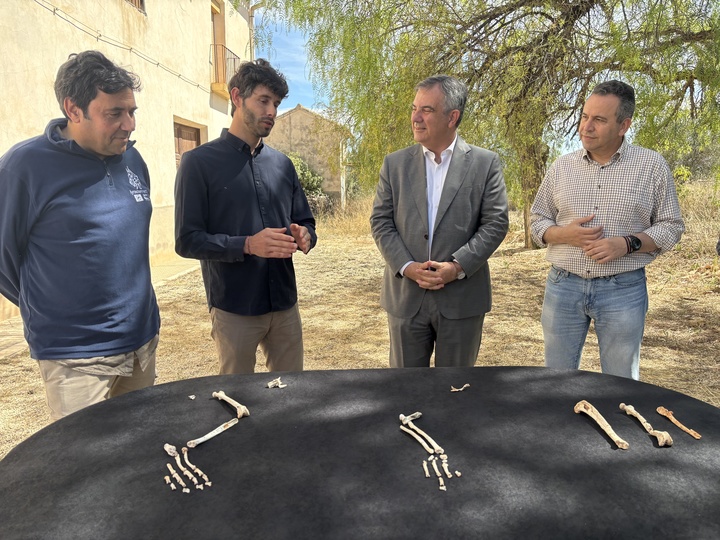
(461, 273)
(633, 243)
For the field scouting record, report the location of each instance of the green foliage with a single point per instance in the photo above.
(529, 66)
(310, 181)
(682, 176)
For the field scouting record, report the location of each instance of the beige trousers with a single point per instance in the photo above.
(69, 390)
(237, 337)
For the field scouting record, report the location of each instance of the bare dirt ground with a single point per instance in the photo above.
(345, 328)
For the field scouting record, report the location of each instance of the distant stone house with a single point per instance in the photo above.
(320, 142)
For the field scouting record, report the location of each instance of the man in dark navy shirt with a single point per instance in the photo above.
(240, 209)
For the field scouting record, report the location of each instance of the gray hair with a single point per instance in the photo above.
(624, 92)
(453, 89)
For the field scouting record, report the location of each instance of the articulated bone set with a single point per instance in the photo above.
(663, 437)
(192, 472)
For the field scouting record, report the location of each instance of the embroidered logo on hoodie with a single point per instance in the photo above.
(140, 193)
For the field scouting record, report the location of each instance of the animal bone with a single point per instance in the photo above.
(177, 478)
(663, 437)
(194, 468)
(276, 383)
(172, 452)
(425, 468)
(408, 421)
(217, 431)
(669, 415)
(169, 483)
(437, 471)
(446, 469)
(458, 473)
(242, 410)
(592, 412)
(417, 438)
(464, 386)
(441, 482)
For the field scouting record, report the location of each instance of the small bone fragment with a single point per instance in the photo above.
(435, 466)
(458, 473)
(408, 421)
(441, 482)
(217, 431)
(446, 469)
(464, 386)
(425, 468)
(177, 478)
(663, 437)
(192, 397)
(194, 468)
(242, 410)
(669, 415)
(417, 438)
(592, 412)
(169, 483)
(276, 383)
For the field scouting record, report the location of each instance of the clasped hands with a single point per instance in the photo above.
(591, 240)
(431, 275)
(274, 243)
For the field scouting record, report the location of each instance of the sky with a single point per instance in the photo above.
(287, 55)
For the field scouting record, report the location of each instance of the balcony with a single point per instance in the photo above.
(225, 63)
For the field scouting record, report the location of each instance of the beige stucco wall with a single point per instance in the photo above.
(168, 47)
(317, 140)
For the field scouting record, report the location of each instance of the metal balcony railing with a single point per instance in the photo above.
(225, 63)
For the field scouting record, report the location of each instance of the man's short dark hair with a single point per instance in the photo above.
(453, 89)
(250, 75)
(624, 92)
(85, 73)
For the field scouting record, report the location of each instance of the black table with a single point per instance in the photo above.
(324, 458)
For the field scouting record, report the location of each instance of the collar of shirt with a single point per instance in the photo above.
(239, 144)
(617, 155)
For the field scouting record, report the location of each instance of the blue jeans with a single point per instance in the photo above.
(618, 305)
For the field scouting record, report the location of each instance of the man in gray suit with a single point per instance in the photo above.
(439, 213)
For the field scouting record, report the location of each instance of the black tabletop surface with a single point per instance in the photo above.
(325, 458)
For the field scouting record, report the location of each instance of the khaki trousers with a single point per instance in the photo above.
(69, 390)
(237, 337)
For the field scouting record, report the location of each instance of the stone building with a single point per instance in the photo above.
(320, 142)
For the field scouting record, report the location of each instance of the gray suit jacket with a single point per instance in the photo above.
(471, 222)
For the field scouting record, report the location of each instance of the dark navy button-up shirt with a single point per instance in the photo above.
(225, 193)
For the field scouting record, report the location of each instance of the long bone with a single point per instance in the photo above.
(172, 452)
(592, 412)
(669, 415)
(242, 410)
(418, 438)
(217, 431)
(663, 437)
(195, 468)
(408, 421)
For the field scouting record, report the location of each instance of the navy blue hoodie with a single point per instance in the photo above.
(74, 255)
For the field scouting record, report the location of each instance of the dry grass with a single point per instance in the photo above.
(345, 328)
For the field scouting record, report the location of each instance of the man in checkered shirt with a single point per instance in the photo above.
(604, 212)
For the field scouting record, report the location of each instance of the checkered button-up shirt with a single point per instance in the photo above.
(634, 192)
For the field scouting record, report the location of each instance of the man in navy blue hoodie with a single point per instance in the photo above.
(74, 230)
